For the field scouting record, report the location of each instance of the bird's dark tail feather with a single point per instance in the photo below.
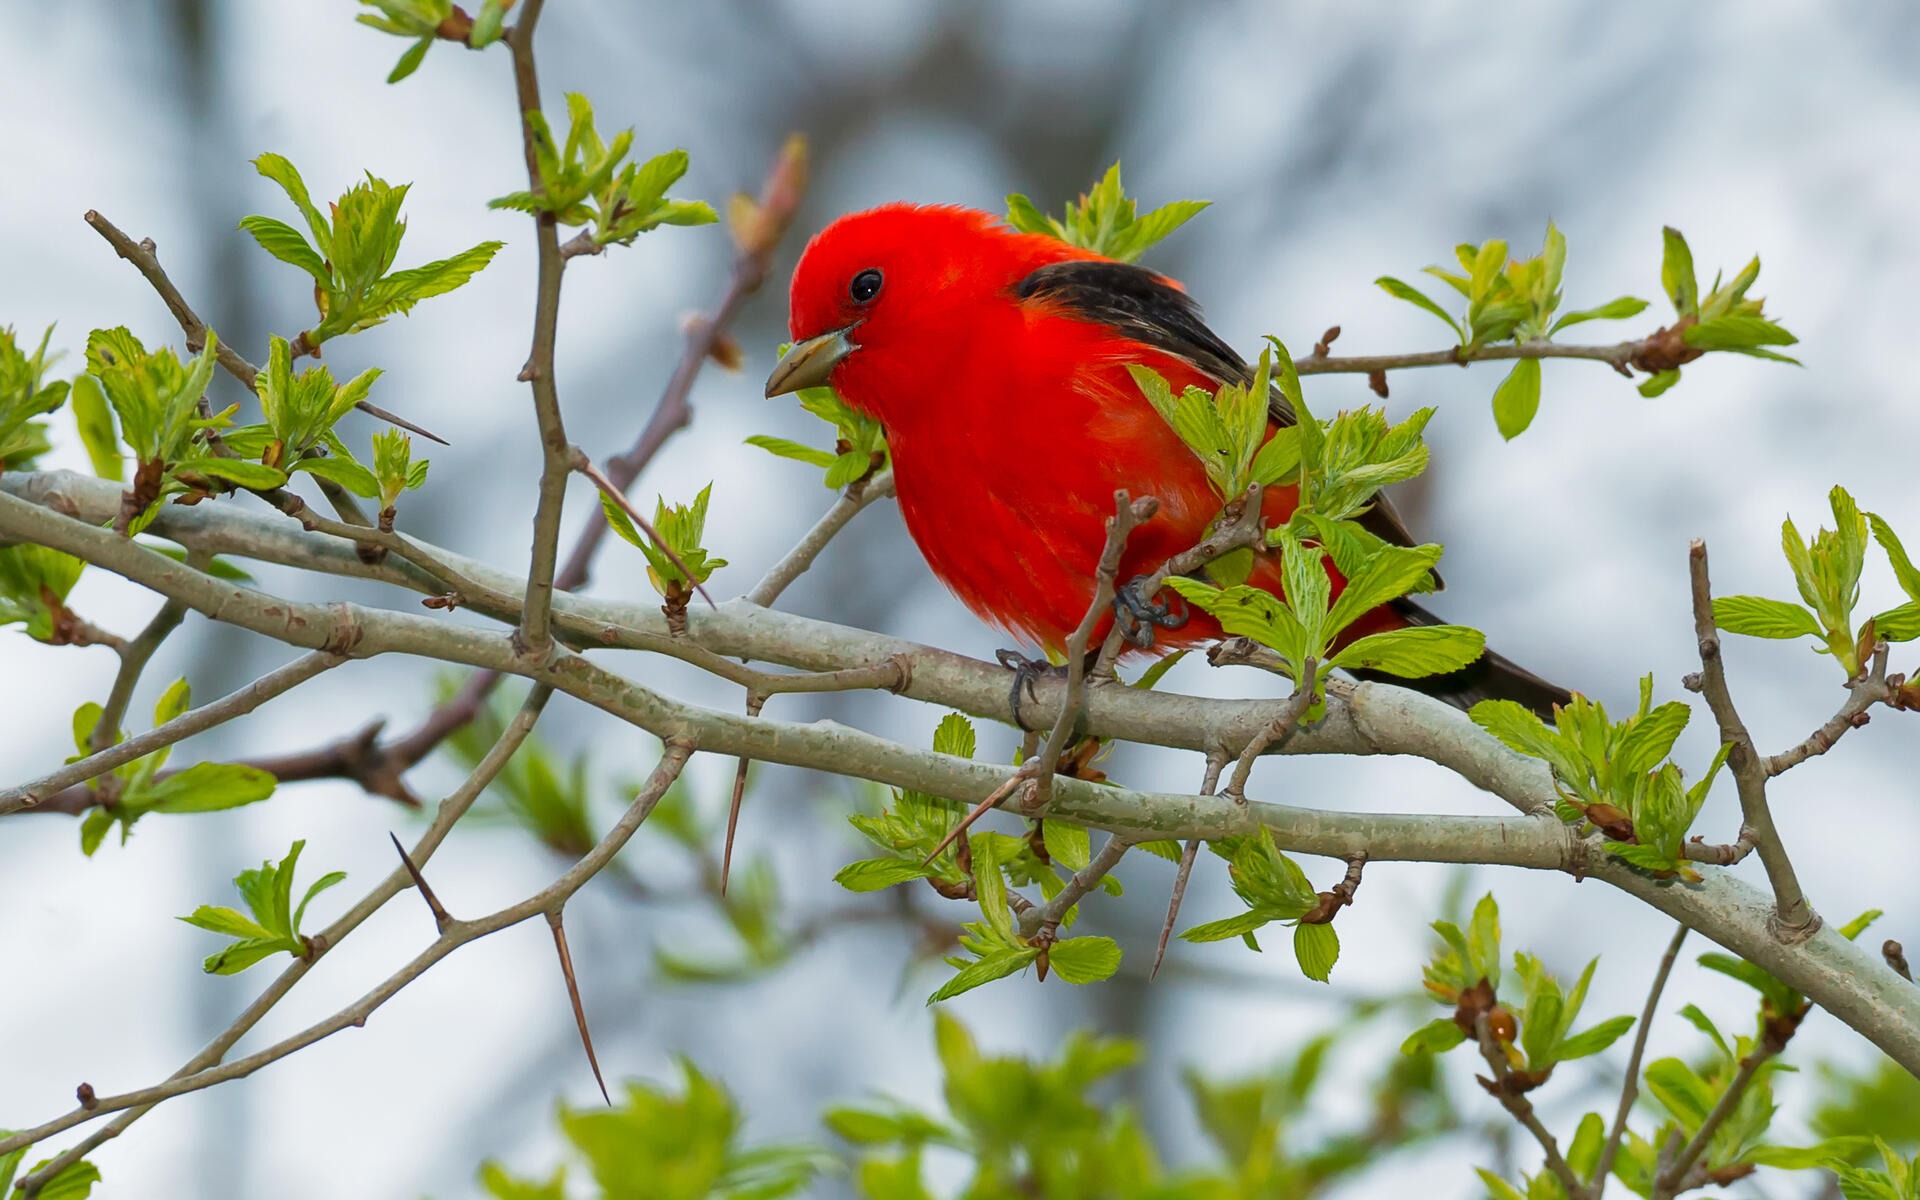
(1489, 677)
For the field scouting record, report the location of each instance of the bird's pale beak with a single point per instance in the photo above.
(810, 363)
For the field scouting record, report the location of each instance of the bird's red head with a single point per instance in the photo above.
(879, 297)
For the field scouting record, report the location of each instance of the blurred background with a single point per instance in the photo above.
(1338, 142)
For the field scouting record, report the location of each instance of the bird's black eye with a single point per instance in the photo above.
(865, 286)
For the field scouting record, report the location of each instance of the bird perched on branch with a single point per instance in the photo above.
(997, 361)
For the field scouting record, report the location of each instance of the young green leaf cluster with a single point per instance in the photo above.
(427, 20)
(298, 435)
(582, 182)
(1105, 219)
(271, 923)
(1022, 1127)
(1725, 319)
(859, 448)
(1898, 1180)
(1826, 569)
(1306, 625)
(1226, 429)
(666, 1143)
(1465, 972)
(1510, 298)
(23, 396)
(350, 256)
(1614, 776)
(681, 528)
(986, 869)
(1274, 888)
(156, 401)
(132, 790)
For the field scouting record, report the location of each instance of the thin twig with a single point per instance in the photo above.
(1671, 1180)
(535, 635)
(780, 196)
(1216, 762)
(218, 712)
(1047, 918)
(458, 934)
(134, 657)
(1630, 1088)
(1284, 723)
(144, 259)
(577, 459)
(1871, 687)
(1128, 515)
(1649, 354)
(1793, 919)
(1519, 1106)
(857, 496)
(450, 811)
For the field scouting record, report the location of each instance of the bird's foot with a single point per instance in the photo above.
(1026, 671)
(1138, 614)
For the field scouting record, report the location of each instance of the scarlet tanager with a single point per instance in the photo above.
(997, 363)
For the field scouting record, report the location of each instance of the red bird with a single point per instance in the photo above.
(997, 363)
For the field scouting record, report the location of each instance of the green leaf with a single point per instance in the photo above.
(1756, 616)
(1414, 652)
(1613, 310)
(1067, 844)
(1151, 677)
(284, 242)
(1412, 295)
(1317, 947)
(209, 787)
(410, 61)
(1084, 959)
(1676, 274)
(226, 921)
(874, 874)
(97, 431)
(74, 1183)
(1517, 398)
(785, 448)
(1231, 927)
(1899, 624)
(343, 471)
(282, 172)
(1435, 1037)
(330, 879)
(1903, 568)
(1659, 382)
(997, 965)
(237, 471)
(1593, 1041)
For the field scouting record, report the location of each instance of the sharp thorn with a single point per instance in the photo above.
(579, 1009)
(374, 410)
(1173, 904)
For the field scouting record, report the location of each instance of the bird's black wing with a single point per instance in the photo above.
(1147, 308)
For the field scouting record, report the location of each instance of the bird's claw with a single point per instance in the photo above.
(1025, 672)
(1138, 614)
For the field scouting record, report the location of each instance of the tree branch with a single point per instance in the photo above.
(1630, 1088)
(1793, 919)
(780, 196)
(858, 495)
(1360, 719)
(535, 634)
(218, 712)
(1649, 354)
(1871, 687)
(1519, 1107)
(451, 810)
(458, 933)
